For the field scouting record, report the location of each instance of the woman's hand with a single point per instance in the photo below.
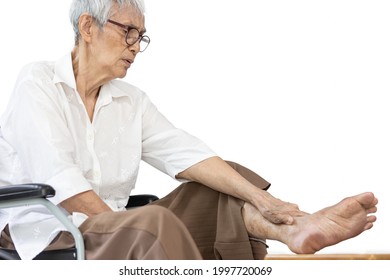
(275, 210)
(87, 202)
(218, 175)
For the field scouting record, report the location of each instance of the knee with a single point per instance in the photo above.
(233, 164)
(248, 174)
(238, 167)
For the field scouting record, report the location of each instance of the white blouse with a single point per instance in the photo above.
(47, 137)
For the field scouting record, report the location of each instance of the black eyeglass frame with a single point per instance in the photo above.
(128, 28)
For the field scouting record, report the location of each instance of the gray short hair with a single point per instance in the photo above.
(99, 10)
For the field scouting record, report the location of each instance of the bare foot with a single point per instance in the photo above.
(313, 232)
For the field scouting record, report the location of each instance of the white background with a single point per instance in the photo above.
(295, 90)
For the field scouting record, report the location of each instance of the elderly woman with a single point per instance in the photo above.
(73, 125)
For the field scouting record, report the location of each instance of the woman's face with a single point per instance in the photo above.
(109, 49)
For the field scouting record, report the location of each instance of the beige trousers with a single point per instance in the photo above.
(192, 222)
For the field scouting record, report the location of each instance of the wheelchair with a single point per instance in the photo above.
(33, 194)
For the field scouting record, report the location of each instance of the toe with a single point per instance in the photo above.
(367, 200)
(371, 219)
(371, 210)
(368, 226)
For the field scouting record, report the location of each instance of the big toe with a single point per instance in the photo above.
(367, 200)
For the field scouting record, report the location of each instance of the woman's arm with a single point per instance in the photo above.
(220, 176)
(87, 202)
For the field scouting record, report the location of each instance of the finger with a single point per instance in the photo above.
(280, 218)
(289, 220)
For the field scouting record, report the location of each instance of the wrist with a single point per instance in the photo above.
(260, 199)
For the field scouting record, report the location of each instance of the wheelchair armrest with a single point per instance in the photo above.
(26, 191)
(140, 200)
(36, 194)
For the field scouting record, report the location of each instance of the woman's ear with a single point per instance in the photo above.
(85, 27)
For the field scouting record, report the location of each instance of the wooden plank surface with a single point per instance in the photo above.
(328, 257)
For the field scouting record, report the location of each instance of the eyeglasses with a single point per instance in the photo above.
(133, 36)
